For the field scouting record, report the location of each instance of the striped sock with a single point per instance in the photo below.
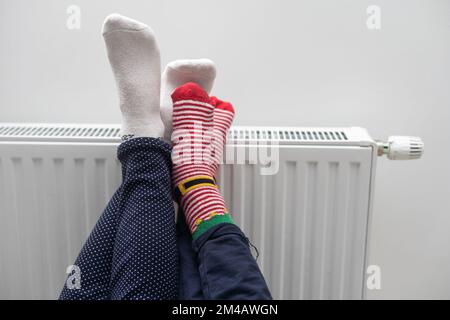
(197, 149)
(223, 118)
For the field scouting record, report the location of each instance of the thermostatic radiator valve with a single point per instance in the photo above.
(401, 148)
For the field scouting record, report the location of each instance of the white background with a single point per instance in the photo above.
(296, 63)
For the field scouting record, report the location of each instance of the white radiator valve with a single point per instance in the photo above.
(401, 148)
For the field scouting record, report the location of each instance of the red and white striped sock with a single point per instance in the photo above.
(197, 149)
(223, 118)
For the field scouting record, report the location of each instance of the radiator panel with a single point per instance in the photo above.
(51, 195)
(309, 221)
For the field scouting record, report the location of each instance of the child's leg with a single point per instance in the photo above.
(177, 73)
(226, 266)
(190, 283)
(209, 265)
(224, 255)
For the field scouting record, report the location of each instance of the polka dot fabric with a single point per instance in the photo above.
(132, 251)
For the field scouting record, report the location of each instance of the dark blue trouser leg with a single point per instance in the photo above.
(226, 266)
(132, 253)
(190, 284)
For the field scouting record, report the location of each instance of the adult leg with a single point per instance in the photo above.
(145, 256)
(131, 252)
(145, 260)
(140, 260)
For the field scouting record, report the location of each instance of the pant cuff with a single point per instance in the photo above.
(208, 224)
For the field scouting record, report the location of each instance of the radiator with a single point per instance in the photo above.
(309, 217)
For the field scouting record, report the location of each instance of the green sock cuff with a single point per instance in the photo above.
(208, 224)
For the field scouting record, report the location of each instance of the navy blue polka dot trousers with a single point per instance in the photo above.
(136, 252)
(132, 250)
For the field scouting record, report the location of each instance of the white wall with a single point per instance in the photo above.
(281, 63)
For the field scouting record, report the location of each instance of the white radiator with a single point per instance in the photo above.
(310, 220)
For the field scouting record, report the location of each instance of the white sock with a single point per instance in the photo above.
(177, 73)
(136, 64)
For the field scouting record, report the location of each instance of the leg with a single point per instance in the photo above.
(95, 258)
(145, 258)
(223, 251)
(211, 261)
(145, 264)
(177, 73)
(135, 236)
(190, 283)
(227, 268)
(141, 213)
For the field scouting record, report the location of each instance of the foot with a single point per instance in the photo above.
(135, 60)
(223, 118)
(177, 73)
(194, 163)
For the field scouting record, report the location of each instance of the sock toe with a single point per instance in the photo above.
(190, 91)
(204, 68)
(115, 22)
(222, 105)
(179, 72)
(214, 101)
(201, 71)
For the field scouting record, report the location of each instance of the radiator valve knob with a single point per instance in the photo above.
(401, 148)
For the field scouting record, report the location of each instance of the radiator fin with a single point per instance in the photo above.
(58, 131)
(287, 135)
(237, 134)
